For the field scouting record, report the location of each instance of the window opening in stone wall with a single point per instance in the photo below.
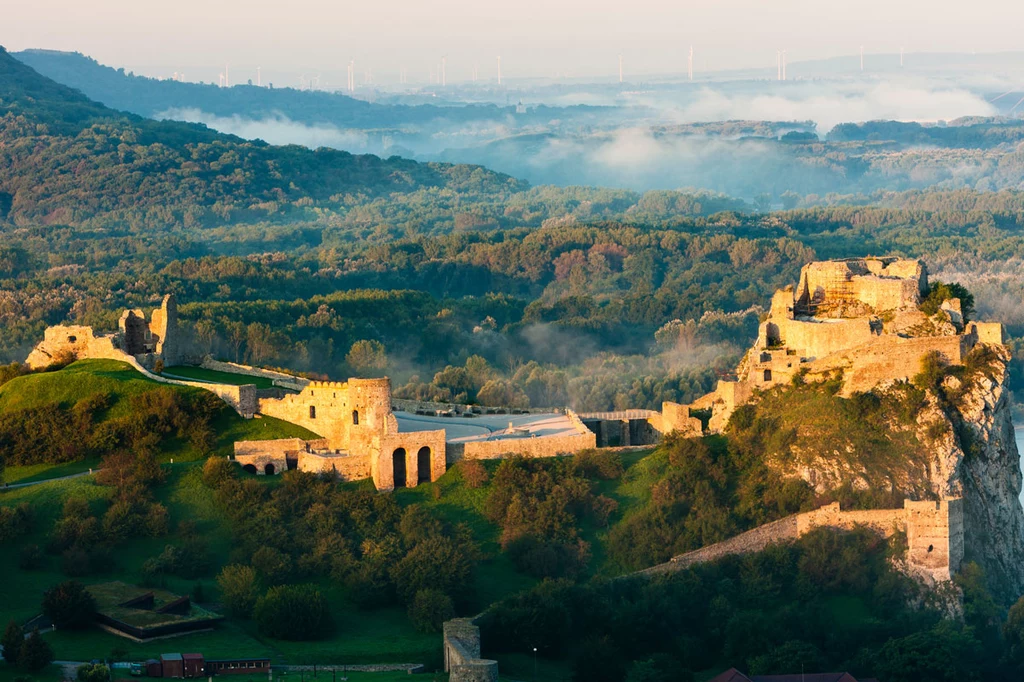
(767, 375)
(312, 411)
(355, 416)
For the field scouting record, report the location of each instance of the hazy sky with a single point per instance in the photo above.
(534, 37)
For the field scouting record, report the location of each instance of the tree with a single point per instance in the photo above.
(435, 563)
(1013, 634)
(367, 357)
(69, 605)
(239, 589)
(430, 609)
(12, 641)
(35, 653)
(293, 612)
(272, 565)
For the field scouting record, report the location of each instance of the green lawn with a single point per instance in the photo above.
(50, 673)
(214, 376)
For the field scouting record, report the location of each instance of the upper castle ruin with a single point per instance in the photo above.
(860, 318)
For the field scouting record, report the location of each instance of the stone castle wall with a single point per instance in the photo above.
(356, 421)
(934, 535)
(547, 446)
(78, 341)
(462, 659)
(280, 379)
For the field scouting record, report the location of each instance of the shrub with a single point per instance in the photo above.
(93, 672)
(430, 609)
(658, 668)
(217, 471)
(239, 588)
(473, 472)
(293, 612)
(436, 563)
(600, 464)
(15, 521)
(272, 565)
(69, 605)
(30, 558)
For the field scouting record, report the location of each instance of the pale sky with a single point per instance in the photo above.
(533, 37)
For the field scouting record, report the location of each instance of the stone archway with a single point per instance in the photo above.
(423, 465)
(398, 462)
(269, 469)
(249, 468)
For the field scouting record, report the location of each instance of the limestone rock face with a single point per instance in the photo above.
(984, 466)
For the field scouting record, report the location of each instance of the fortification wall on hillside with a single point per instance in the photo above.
(462, 659)
(547, 446)
(934, 531)
(281, 379)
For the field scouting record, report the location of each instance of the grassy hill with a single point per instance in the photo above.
(124, 387)
(379, 634)
(66, 159)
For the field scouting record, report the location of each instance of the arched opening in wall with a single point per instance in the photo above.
(72, 339)
(249, 468)
(269, 469)
(312, 411)
(767, 375)
(931, 548)
(355, 416)
(398, 461)
(423, 465)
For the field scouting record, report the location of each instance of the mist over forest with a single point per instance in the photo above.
(797, 138)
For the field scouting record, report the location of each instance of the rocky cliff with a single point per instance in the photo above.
(977, 459)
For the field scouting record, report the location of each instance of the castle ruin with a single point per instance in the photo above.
(145, 342)
(859, 318)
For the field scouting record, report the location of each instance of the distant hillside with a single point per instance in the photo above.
(151, 97)
(68, 160)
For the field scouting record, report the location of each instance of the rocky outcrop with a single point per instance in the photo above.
(981, 456)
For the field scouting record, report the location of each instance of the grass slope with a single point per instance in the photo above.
(383, 635)
(119, 380)
(212, 375)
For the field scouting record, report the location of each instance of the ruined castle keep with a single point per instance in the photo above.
(145, 342)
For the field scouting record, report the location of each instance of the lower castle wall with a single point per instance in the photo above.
(462, 653)
(935, 535)
(279, 378)
(547, 446)
(345, 467)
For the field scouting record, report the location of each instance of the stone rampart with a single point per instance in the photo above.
(409, 405)
(935, 535)
(546, 446)
(462, 659)
(280, 379)
(346, 467)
